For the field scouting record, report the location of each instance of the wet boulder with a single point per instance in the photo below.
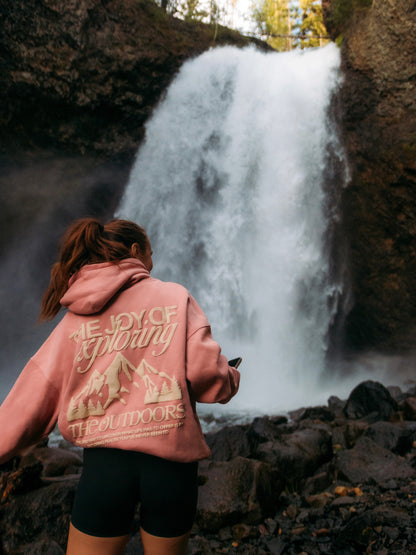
(266, 428)
(44, 547)
(229, 442)
(368, 462)
(240, 490)
(39, 515)
(362, 530)
(298, 455)
(54, 460)
(409, 408)
(396, 437)
(370, 399)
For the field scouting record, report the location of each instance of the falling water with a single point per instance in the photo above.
(230, 187)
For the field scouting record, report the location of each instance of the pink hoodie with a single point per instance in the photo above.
(123, 369)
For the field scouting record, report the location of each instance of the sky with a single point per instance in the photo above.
(240, 19)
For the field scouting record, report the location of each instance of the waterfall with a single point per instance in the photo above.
(229, 185)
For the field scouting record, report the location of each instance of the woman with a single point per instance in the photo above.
(121, 374)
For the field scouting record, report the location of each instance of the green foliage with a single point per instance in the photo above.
(273, 20)
(289, 24)
(207, 11)
(310, 25)
(339, 39)
(192, 10)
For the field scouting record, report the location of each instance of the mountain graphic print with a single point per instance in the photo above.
(104, 389)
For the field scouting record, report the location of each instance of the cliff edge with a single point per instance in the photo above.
(85, 75)
(376, 107)
(78, 80)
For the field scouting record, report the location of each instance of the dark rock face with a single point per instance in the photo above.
(78, 80)
(377, 111)
(87, 74)
(327, 484)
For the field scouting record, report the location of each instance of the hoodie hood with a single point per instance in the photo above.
(94, 285)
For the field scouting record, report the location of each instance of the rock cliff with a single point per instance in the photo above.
(86, 75)
(78, 80)
(377, 110)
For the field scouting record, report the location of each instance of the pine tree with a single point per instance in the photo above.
(165, 388)
(72, 413)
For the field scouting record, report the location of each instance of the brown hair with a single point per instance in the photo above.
(87, 241)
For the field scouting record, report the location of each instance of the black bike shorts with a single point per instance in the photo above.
(114, 481)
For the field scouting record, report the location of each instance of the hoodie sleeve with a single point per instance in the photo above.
(210, 378)
(29, 412)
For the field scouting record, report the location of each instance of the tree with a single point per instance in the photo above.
(310, 25)
(288, 24)
(207, 11)
(192, 9)
(274, 21)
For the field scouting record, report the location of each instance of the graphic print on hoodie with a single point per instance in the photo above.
(124, 368)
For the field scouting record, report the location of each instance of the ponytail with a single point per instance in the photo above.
(87, 241)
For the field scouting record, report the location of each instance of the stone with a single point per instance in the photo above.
(45, 547)
(243, 531)
(229, 442)
(250, 506)
(277, 546)
(317, 483)
(266, 428)
(359, 532)
(271, 525)
(199, 545)
(319, 413)
(368, 462)
(322, 532)
(353, 430)
(343, 501)
(341, 491)
(38, 515)
(409, 408)
(394, 437)
(297, 455)
(238, 491)
(369, 398)
(335, 405)
(292, 511)
(319, 500)
(20, 481)
(395, 391)
(54, 460)
(225, 534)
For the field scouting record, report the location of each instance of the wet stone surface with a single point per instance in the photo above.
(318, 481)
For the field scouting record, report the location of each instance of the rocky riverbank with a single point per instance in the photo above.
(337, 479)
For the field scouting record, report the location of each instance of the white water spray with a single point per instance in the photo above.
(229, 186)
